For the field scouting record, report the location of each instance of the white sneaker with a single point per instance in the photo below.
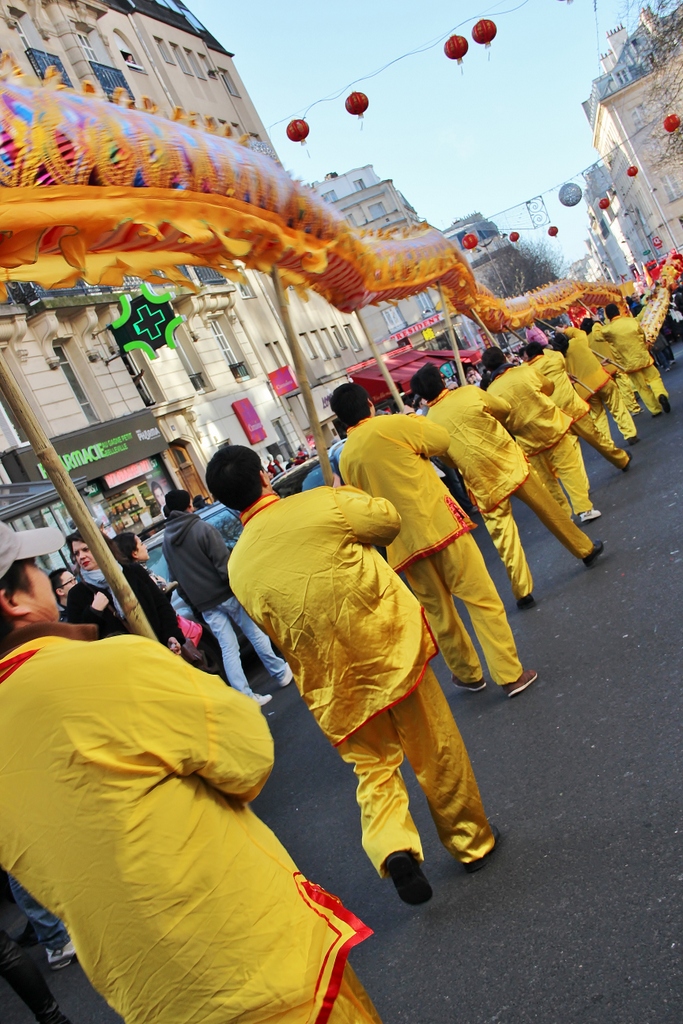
(288, 676)
(262, 698)
(592, 513)
(58, 958)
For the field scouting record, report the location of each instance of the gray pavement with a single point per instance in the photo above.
(577, 919)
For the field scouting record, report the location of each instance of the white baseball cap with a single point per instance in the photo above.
(18, 544)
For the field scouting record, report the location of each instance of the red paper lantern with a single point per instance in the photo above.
(672, 123)
(514, 236)
(297, 130)
(357, 103)
(552, 231)
(455, 48)
(632, 171)
(470, 241)
(604, 203)
(484, 32)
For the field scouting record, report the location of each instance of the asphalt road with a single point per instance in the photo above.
(577, 920)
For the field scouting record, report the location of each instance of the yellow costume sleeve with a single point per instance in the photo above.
(547, 386)
(497, 406)
(372, 520)
(430, 438)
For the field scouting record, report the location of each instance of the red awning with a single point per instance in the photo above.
(402, 364)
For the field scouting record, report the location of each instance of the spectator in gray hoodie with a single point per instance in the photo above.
(197, 559)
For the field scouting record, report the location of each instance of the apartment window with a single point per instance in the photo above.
(426, 305)
(377, 210)
(240, 370)
(359, 184)
(339, 338)
(86, 47)
(206, 71)
(393, 318)
(228, 82)
(131, 60)
(351, 335)
(194, 64)
(319, 344)
(638, 116)
(672, 186)
(180, 59)
(164, 50)
(75, 384)
(330, 197)
(245, 290)
(328, 344)
(309, 346)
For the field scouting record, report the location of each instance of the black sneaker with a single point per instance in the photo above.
(53, 1015)
(590, 560)
(633, 440)
(477, 865)
(406, 874)
(526, 602)
(664, 402)
(625, 469)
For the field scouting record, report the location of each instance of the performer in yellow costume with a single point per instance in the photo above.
(601, 349)
(627, 340)
(355, 637)
(125, 777)
(494, 468)
(551, 363)
(594, 383)
(542, 430)
(388, 456)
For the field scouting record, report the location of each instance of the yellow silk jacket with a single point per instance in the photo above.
(582, 363)
(306, 571)
(492, 464)
(553, 366)
(534, 419)
(388, 456)
(627, 341)
(124, 777)
(601, 347)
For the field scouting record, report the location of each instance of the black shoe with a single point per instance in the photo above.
(53, 1015)
(477, 865)
(406, 874)
(28, 937)
(590, 560)
(632, 440)
(625, 469)
(526, 602)
(664, 402)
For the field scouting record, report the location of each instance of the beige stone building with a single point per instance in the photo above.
(131, 427)
(645, 216)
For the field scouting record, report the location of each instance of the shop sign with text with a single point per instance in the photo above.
(249, 420)
(415, 328)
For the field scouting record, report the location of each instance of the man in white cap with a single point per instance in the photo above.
(125, 779)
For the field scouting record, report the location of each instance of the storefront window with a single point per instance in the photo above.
(135, 506)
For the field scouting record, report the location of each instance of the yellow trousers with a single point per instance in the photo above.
(502, 527)
(586, 429)
(610, 397)
(649, 385)
(627, 393)
(353, 1005)
(564, 462)
(421, 728)
(459, 570)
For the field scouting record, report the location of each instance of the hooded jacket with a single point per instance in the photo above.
(197, 558)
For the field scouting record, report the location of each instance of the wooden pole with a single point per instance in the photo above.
(475, 316)
(304, 386)
(78, 510)
(380, 362)
(451, 335)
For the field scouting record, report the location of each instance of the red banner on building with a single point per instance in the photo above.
(249, 420)
(283, 381)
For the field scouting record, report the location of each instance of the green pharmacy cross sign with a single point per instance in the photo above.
(147, 322)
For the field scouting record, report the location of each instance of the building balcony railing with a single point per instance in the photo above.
(110, 79)
(207, 275)
(41, 61)
(240, 371)
(198, 382)
(29, 294)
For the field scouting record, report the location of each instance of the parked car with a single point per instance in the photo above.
(291, 481)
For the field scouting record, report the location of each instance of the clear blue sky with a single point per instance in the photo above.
(501, 133)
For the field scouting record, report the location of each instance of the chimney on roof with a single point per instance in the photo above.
(617, 39)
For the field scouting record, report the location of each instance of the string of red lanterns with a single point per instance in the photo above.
(604, 203)
(470, 241)
(553, 231)
(672, 123)
(514, 236)
(357, 103)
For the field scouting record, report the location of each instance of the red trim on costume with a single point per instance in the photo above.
(263, 502)
(439, 398)
(10, 666)
(317, 894)
(350, 430)
(412, 688)
(466, 526)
